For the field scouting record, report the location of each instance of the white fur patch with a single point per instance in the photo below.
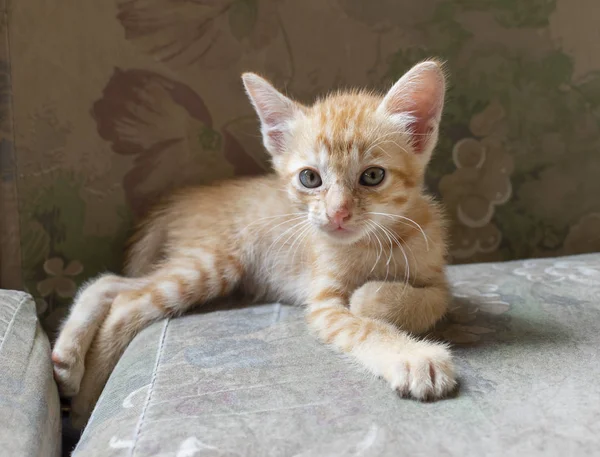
(169, 290)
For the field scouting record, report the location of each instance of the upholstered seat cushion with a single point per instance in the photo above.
(29, 404)
(253, 382)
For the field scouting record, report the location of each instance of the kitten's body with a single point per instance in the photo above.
(250, 220)
(361, 252)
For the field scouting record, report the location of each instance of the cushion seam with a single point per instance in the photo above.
(11, 322)
(138, 428)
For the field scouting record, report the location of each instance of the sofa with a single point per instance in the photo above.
(250, 381)
(106, 106)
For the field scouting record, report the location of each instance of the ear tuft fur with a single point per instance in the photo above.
(275, 111)
(419, 98)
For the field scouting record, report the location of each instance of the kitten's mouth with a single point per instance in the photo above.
(340, 231)
(337, 229)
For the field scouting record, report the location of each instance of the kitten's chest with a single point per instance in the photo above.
(376, 263)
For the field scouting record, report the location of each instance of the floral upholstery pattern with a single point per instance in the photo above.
(136, 97)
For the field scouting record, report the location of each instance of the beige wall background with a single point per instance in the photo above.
(106, 105)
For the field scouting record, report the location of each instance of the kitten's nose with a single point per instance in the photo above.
(340, 216)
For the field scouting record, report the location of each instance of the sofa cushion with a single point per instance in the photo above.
(253, 382)
(29, 404)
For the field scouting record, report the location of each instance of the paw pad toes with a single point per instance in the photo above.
(425, 379)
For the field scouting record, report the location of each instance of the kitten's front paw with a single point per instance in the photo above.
(424, 374)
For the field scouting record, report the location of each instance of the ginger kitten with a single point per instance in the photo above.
(343, 227)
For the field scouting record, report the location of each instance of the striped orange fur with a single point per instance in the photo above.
(343, 226)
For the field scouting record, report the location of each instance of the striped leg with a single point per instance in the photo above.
(418, 368)
(171, 290)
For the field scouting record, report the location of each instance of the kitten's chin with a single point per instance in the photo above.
(343, 236)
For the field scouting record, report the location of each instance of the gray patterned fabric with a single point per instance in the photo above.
(29, 404)
(253, 382)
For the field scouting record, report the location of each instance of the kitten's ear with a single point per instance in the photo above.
(275, 110)
(416, 101)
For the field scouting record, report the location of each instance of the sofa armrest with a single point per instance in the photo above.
(29, 402)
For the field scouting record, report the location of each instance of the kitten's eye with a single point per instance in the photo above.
(372, 176)
(310, 178)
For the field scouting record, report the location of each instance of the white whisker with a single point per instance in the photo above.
(407, 269)
(391, 255)
(268, 251)
(406, 219)
(294, 234)
(394, 237)
(387, 265)
(380, 246)
(299, 239)
(293, 219)
(297, 215)
(369, 233)
(406, 262)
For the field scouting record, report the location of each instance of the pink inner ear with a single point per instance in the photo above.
(276, 139)
(272, 106)
(420, 94)
(421, 133)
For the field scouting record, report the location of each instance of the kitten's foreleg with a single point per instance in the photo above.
(414, 309)
(421, 369)
(170, 290)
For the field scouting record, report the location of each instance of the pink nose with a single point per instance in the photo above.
(340, 216)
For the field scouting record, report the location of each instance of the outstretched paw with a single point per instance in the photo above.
(426, 374)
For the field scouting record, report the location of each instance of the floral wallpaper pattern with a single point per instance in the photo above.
(137, 97)
(165, 125)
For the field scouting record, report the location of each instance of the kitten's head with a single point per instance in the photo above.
(353, 159)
